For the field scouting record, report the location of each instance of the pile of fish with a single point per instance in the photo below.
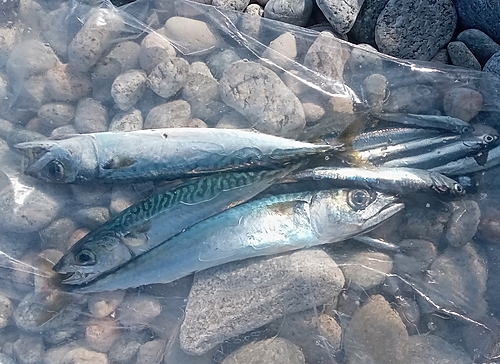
(221, 212)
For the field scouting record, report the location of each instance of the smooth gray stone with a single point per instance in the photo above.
(410, 30)
(461, 56)
(297, 12)
(341, 14)
(480, 44)
(238, 5)
(480, 14)
(493, 64)
(363, 30)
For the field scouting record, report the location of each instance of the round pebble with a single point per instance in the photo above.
(5, 359)
(30, 58)
(163, 116)
(375, 87)
(82, 355)
(155, 48)
(433, 349)
(461, 56)
(151, 352)
(56, 114)
(363, 29)
(64, 83)
(126, 54)
(247, 87)
(219, 61)
(29, 349)
(238, 5)
(366, 269)
(138, 310)
(124, 349)
(376, 334)
(270, 351)
(479, 43)
(192, 36)
(480, 14)
(127, 121)
(341, 14)
(92, 217)
(6, 311)
(462, 103)
(90, 116)
(101, 334)
(282, 50)
(105, 303)
(463, 223)
(8, 38)
(128, 88)
(93, 39)
(410, 30)
(493, 64)
(415, 99)
(168, 76)
(297, 12)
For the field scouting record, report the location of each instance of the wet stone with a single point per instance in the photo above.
(57, 234)
(77, 235)
(282, 50)
(305, 329)
(366, 269)
(458, 279)
(92, 217)
(297, 12)
(126, 54)
(313, 112)
(91, 116)
(53, 26)
(151, 352)
(415, 99)
(219, 61)
(101, 334)
(31, 94)
(30, 58)
(340, 14)
(201, 68)
(493, 64)
(105, 303)
(82, 355)
(194, 35)
(163, 116)
(233, 120)
(255, 9)
(479, 43)
(127, 121)
(138, 310)
(409, 312)
(155, 48)
(56, 114)
(124, 349)
(94, 38)
(280, 286)
(270, 351)
(433, 349)
(37, 211)
(375, 87)
(363, 29)
(415, 258)
(6, 309)
(441, 57)
(29, 349)
(5, 359)
(463, 223)
(410, 30)
(247, 87)
(37, 126)
(376, 334)
(238, 5)
(461, 56)
(168, 76)
(66, 84)
(480, 14)
(462, 103)
(128, 88)
(8, 37)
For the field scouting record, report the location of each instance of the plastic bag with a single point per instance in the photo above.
(77, 68)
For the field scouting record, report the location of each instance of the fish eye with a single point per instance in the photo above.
(467, 129)
(55, 171)
(359, 199)
(85, 257)
(488, 138)
(458, 188)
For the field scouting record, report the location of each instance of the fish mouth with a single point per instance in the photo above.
(33, 152)
(385, 213)
(75, 278)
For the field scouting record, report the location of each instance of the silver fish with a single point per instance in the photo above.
(267, 226)
(468, 165)
(148, 223)
(384, 137)
(428, 121)
(452, 151)
(392, 180)
(161, 154)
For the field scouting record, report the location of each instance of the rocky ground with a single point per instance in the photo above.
(65, 68)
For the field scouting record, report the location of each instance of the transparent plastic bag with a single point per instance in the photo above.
(344, 302)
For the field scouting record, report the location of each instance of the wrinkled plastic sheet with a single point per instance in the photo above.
(438, 300)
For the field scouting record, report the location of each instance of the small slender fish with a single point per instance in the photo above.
(385, 153)
(450, 152)
(428, 121)
(469, 165)
(160, 154)
(267, 226)
(384, 137)
(378, 244)
(148, 223)
(399, 181)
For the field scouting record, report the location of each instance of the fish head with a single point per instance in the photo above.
(92, 257)
(343, 213)
(52, 161)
